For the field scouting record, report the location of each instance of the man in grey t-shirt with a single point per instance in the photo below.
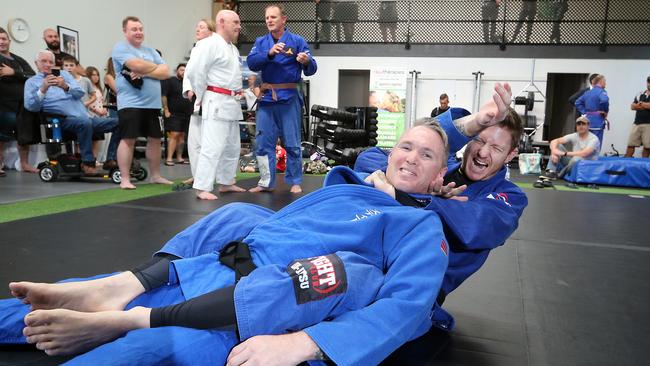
(584, 145)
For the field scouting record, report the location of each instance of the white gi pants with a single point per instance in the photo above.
(219, 153)
(194, 141)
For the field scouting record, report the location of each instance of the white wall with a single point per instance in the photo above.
(169, 25)
(454, 76)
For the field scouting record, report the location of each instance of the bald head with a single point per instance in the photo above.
(228, 25)
(51, 38)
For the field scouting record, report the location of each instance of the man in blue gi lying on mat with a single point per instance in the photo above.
(343, 229)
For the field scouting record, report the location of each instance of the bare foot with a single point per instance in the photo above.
(260, 189)
(189, 181)
(108, 293)
(230, 188)
(28, 169)
(295, 189)
(126, 185)
(160, 180)
(205, 195)
(67, 332)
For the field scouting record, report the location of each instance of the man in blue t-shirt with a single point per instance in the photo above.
(138, 71)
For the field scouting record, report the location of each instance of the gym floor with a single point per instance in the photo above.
(570, 287)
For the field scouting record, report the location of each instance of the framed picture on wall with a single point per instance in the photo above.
(69, 39)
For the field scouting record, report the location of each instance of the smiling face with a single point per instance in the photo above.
(275, 21)
(134, 33)
(5, 42)
(486, 154)
(417, 160)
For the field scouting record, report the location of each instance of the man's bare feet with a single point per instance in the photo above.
(160, 180)
(205, 195)
(28, 168)
(257, 189)
(295, 189)
(108, 293)
(67, 332)
(230, 188)
(127, 185)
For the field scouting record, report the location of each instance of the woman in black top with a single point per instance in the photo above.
(14, 71)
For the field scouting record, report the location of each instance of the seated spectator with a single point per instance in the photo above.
(62, 95)
(14, 70)
(444, 106)
(71, 65)
(584, 145)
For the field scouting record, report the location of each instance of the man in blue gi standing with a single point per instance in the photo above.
(595, 105)
(282, 57)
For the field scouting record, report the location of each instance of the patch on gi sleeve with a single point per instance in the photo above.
(317, 278)
(444, 247)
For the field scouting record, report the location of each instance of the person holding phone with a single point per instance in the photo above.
(55, 91)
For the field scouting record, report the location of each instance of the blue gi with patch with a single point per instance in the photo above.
(280, 116)
(474, 227)
(403, 244)
(591, 103)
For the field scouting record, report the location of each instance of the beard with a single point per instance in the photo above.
(53, 45)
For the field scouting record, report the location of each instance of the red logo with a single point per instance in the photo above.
(443, 246)
(323, 275)
(503, 197)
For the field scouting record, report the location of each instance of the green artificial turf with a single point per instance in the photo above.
(75, 201)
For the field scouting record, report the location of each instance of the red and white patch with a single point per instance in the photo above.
(317, 278)
(444, 247)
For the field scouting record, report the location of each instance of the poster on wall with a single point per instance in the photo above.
(69, 41)
(388, 94)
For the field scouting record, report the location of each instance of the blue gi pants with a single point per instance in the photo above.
(273, 120)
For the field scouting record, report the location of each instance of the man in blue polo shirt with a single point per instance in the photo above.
(62, 95)
(282, 57)
(138, 71)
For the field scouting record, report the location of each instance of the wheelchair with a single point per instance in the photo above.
(65, 161)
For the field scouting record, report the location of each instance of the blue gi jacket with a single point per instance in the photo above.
(474, 227)
(592, 101)
(283, 67)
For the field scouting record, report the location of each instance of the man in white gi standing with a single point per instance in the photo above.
(215, 75)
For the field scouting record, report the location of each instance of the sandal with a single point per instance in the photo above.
(3, 173)
(169, 163)
(183, 161)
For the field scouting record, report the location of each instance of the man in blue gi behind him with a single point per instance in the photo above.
(485, 214)
(594, 104)
(282, 57)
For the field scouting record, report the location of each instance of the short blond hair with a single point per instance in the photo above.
(434, 125)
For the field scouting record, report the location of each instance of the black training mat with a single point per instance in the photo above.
(570, 287)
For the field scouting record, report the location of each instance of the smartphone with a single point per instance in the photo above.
(56, 72)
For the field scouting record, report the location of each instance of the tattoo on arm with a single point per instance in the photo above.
(460, 126)
(320, 356)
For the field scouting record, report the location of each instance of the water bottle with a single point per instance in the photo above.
(56, 130)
